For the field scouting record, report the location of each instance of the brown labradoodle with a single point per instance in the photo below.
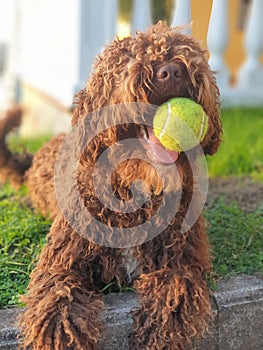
(169, 269)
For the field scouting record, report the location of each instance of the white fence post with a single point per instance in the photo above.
(182, 15)
(217, 39)
(251, 73)
(110, 19)
(97, 27)
(141, 19)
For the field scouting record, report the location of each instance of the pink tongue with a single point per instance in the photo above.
(162, 154)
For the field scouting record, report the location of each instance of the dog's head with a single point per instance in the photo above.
(152, 68)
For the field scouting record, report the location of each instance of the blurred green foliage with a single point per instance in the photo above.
(160, 9)
(241, 151)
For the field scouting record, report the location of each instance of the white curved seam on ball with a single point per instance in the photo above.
(167, 121)
(202, 126)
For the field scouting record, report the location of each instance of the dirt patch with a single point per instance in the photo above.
(247, 193)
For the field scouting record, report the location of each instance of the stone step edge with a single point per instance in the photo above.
(238, 295)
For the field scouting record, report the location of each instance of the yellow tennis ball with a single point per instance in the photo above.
(180, 124)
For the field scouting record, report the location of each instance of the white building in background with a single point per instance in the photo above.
(47, 48)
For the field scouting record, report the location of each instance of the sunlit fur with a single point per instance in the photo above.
(169, 272)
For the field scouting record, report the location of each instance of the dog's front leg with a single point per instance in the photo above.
(61, 307)
(175, 307)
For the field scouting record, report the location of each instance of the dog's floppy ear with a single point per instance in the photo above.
(209, 98)
(82, 107)
(214, 134)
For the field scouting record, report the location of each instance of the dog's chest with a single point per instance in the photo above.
(130, 264)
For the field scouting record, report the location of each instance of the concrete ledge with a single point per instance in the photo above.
(8, 330)
(238, 324)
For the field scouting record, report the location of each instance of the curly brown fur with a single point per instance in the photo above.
(169, 271)
(39, 178)
(12, 165)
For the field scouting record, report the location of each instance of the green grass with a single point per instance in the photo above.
(236, 238)
(31, 145)
(22, 237)
(241, 151)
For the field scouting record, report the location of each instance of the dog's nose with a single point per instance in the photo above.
(169, 72)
